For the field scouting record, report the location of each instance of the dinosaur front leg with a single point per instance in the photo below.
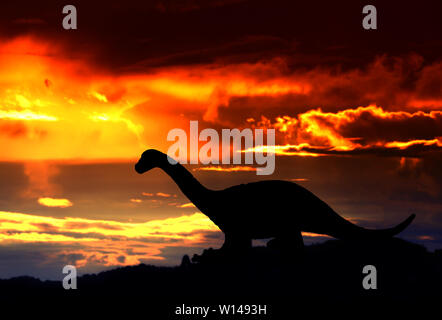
(234, 246)
(289, 241)
(235, 242)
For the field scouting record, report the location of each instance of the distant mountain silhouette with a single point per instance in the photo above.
(265, 209)
(328, 274)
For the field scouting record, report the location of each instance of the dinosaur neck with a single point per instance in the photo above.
(187, 183)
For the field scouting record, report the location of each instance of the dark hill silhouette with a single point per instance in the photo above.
(328, 276)
(265, 209)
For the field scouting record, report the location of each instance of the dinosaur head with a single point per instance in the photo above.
(149, 159)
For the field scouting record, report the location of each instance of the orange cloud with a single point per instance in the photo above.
(407, 144)
(105, 116)
(287, 150)
(163, 195)
(171, 228)
(159, 195)
(187, 205)
(364, 129)
(50, 100)
(225, 169)
(90, 238)
(314, 235)
(51, 202)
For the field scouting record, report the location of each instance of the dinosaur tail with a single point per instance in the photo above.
(352, 231)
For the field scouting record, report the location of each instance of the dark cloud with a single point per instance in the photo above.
(29, 21)
(37, 259)
(401, 127)
(429, 86)
(45, 227)
(393, 83)
(11, 193)
(121, 34)
(71, 258)
(93, 259)
(132, 252)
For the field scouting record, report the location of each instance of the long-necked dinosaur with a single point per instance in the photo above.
(265, 209)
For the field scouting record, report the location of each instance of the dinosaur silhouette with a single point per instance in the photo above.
(265, 209)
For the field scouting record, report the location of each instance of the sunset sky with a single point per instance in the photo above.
(357, 114)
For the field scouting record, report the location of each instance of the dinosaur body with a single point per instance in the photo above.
(265, 209)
